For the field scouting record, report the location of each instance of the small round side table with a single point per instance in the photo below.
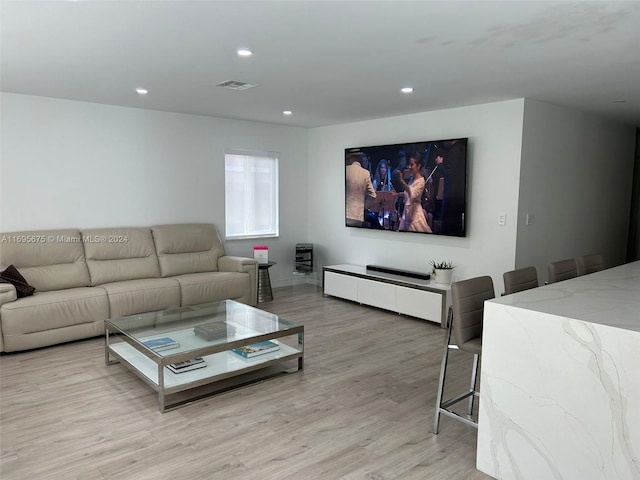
(264, 282)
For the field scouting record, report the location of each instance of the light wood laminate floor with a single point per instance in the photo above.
(362, 409)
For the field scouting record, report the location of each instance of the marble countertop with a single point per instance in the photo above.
(610, 297)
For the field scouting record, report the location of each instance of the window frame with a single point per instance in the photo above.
(249, 189)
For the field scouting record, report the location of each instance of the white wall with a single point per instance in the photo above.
(576, 180)
(74, 164)
(495, 135)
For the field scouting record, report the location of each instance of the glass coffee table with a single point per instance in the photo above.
(185, 348)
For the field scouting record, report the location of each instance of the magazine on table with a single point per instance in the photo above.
(255, 349)
(161, 343)
(187, 365)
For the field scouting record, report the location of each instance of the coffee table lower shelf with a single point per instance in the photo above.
(220, 366)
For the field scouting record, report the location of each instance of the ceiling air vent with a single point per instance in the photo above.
(235, 85)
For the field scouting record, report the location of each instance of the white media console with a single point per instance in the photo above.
(399, 293)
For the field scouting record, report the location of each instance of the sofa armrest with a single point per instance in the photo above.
(230, 263)
(248, 265)
(7, 293)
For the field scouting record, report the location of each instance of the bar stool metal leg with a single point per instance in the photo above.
(443, 406)
(474, 379)
(443, 371)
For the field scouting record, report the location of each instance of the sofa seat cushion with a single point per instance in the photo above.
(144, 295)
(206, 287)
(50, 310)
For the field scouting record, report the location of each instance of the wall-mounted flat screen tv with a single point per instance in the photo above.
(408, 187)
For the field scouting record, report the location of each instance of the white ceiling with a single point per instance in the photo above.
(330, 62)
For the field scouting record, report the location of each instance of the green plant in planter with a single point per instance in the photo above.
(442, 271)
(445, 265)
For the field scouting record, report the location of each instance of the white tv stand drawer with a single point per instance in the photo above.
(398, 293)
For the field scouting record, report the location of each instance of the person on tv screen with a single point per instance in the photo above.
(401, 165)
(358, 186)
(401, 162)
(433, 197)
(366, 164)
(385, 210)
(413, 218)
(382, 177)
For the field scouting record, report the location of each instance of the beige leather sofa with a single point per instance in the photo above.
(84, 277)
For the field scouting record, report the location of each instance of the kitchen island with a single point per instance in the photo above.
(560, 380)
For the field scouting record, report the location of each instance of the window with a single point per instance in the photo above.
(251, 194)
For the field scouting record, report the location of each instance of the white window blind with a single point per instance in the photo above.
(251, 194)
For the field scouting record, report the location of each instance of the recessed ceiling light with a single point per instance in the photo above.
(142, 91)
(407, 90)
(619, 101)
(244, 52)
(287, 112)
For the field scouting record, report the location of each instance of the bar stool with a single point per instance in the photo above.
(466, 312)
(589, 264)
(520, 279)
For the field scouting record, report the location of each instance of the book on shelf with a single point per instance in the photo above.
(260, 348)
(159, 344)
(187, 365)
(214, 330)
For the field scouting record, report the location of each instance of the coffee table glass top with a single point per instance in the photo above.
(171, 332)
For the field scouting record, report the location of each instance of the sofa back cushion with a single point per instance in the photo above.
(187, 248)
(47, 259)
(12, 276)
(116, 254)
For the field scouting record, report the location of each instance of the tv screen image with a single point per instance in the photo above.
(408, 187)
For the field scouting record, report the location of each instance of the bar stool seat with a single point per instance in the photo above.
(473, 346)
